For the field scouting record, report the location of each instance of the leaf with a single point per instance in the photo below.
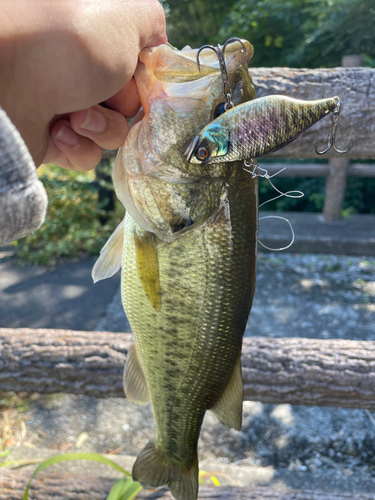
(15, 464)
(215, 481)
(203, 476)
(81, 440)
(124, 489)
(73, 456)
(4, 453)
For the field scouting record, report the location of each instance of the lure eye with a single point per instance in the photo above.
(202, 153)
(219, 110)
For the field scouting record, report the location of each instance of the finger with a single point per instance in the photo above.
(127, 101)
(153, 27)
(72, 150)
(107, 128)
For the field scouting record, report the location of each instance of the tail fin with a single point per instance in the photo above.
(152, 469)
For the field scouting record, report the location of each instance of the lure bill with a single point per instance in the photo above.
(256, 128)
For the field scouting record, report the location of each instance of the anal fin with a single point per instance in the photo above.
(228, 409)
(135, 385)
(147, 266)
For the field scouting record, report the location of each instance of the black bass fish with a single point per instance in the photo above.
(257, 128)
(187, 248)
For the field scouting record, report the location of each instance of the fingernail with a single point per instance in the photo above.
(94, 121)
(67, 136)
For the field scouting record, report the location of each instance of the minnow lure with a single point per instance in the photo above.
(256, 128)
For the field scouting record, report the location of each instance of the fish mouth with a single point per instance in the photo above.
(190, 149)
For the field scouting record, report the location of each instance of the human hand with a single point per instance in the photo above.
(60, 60)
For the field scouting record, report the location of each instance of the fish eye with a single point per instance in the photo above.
(202, 153)
(219, 110)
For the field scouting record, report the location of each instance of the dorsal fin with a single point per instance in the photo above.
(109, 261)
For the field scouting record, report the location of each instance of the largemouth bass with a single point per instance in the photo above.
(187, 248)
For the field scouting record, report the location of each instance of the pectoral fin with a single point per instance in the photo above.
(135, 385)
(228, 409)
(147, 266)
(109, 261)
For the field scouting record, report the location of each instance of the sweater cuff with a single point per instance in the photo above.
(23, 199)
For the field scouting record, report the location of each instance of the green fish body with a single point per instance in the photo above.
(187, 248)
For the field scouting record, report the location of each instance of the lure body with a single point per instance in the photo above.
(256, 128)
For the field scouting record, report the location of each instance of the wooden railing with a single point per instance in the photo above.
(285, 370)
(356, 89)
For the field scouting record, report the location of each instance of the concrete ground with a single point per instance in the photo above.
(65, 297)
(307, 295)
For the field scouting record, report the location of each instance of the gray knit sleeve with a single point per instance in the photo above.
(23, 199)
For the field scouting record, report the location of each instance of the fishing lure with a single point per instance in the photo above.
(258, 127)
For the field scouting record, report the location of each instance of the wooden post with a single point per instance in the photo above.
(335, 189)
(338, 167)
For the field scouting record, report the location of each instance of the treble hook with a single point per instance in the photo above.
(220, 52)
(332, 135)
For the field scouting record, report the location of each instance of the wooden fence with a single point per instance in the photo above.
(288, 370)
(285, 370)
(356, 88)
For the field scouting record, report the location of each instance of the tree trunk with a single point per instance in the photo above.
(286, 370)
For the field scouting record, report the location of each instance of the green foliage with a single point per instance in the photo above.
(195, 22)
(274, 27)
(312, 33)
(334, 29)
(124, 489)
(359, 195)
(73, 224)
